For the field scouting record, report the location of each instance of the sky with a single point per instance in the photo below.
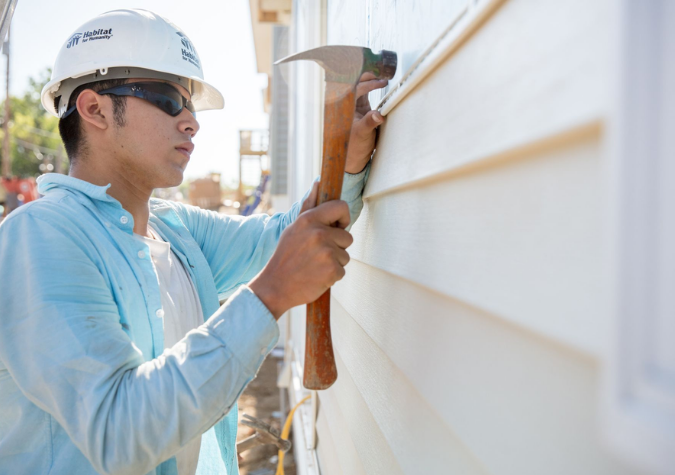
(220, 30)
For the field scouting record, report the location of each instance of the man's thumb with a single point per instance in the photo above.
(374, 119)
(310, 202)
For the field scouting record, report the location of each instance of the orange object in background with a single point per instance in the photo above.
(18, 191)
(21, 186)
(11, 184)
(28, 188)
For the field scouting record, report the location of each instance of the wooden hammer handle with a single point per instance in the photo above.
(320, 371)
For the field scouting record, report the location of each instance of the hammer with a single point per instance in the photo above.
(344, 66)
(266, 435)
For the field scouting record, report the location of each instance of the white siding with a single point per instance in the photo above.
(470, 324)
(521, 238)
(449, 384)
(332, 425)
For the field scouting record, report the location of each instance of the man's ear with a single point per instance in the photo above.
(94, 109)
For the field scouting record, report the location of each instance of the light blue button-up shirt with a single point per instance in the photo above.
(86, 384)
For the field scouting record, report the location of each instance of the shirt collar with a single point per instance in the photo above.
(107, 205)
(52, 181)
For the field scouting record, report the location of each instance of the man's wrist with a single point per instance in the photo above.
(268, 296)
(353, 172)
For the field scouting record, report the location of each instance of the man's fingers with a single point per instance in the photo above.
(367, 76)
(373, 119)
(365, 87)
(340, 237)
(310, 202)
(366, 124)
(342, 257)
(332, 212)
(362, 90)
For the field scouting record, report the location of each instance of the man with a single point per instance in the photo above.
(115, 354)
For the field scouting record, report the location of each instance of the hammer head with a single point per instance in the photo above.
(346, 64)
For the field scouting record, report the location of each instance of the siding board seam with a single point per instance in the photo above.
(338, 394)
(588, 355)
(329, 404)
(590, 128)
(468, 20)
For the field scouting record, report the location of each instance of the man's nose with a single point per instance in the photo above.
(188, 123)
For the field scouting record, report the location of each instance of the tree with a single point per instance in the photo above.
(35, 143)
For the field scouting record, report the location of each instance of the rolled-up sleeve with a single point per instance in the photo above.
(62, 343)
(352, 192)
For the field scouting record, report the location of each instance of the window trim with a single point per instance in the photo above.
(639, 387)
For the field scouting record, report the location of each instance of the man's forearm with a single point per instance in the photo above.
(127, 417)
(254, 238)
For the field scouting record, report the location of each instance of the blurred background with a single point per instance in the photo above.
(222, 34)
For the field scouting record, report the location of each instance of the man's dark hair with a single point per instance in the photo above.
(70, 128)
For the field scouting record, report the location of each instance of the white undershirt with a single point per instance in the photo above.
(182, 313)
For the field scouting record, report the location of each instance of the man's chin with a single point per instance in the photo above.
(178, 181)
(170, 180)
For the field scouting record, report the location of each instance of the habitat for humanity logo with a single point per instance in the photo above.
(89, 36)
(74, 40)
(188, 51)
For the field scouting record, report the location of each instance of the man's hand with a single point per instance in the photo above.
(362, 138)
(309, 258)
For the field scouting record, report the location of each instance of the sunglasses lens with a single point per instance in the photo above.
(161, 95)
(164, 96)
(165, 102)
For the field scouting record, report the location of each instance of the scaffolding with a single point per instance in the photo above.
(253, 153)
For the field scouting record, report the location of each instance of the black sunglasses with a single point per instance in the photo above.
(159, 94)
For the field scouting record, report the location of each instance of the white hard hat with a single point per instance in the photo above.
(128, 44)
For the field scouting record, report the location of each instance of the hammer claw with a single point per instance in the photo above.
(347, 63)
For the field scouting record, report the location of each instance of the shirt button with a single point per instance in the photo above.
(263, 352)
(160, 313)
(124, 220)
(141, 254)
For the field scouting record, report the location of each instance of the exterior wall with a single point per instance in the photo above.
(472, 323)
(279, 117)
